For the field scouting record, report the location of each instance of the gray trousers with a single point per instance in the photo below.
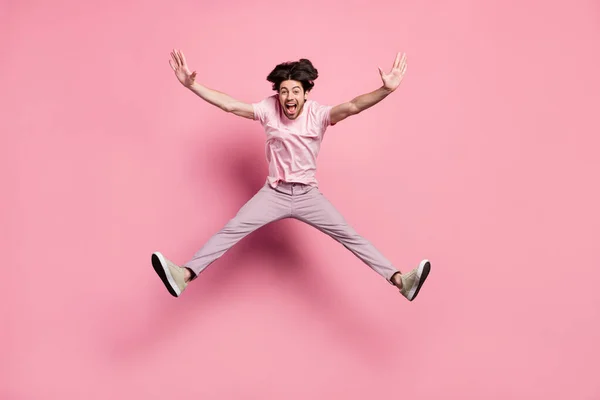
(290, 200)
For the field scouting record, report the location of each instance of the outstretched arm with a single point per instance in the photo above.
(214, 97)
(391, 81)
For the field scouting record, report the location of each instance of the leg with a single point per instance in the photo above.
(313, 208)
(264, 207)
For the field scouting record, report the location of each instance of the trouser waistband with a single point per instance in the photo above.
(292, 188)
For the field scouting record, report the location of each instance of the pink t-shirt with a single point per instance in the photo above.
(292, 146)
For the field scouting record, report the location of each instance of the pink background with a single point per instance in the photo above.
(485, 161)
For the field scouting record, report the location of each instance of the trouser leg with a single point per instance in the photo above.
(313, 208)
(266, 206)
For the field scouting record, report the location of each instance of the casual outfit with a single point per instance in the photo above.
(290, 191)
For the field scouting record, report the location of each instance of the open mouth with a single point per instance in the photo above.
(291, 108)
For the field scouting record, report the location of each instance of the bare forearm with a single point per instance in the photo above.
(367, 100)
(391, 81)
(214, 97)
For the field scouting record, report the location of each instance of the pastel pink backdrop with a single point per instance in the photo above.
(485, 161)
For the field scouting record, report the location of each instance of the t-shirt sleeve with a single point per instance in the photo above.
(261, 110)
(323, 115)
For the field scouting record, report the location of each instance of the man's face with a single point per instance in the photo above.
(292, 98)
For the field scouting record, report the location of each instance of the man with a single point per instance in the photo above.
(294, 127)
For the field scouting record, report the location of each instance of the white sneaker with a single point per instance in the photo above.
(172, 275)
(413, 280)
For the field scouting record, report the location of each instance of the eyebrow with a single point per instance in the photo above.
(295, 87)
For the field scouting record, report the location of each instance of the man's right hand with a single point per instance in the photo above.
(181, 69)
(214, 97)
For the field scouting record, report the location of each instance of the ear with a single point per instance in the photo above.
(306, 93)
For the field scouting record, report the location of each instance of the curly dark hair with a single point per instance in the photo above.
(302, 71)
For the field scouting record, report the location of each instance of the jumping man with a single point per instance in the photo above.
(294, 127)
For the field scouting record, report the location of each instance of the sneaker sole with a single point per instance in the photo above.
(422, 273)
(160, 266)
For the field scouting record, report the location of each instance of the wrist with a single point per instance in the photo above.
(196, 88)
